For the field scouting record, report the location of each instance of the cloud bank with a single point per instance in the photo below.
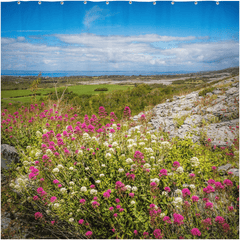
(92, 52)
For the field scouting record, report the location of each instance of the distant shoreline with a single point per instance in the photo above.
(62, 74)
(88, 73)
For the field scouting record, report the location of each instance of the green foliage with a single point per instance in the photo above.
(205, 91)
(101, 89)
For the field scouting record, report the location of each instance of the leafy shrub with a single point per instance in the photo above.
(205, 91)
(101, 89)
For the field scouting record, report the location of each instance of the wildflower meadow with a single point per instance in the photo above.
(99, 177)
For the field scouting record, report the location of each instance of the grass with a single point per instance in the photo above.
(23, 96)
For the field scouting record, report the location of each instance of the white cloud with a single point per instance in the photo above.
(20, 39)
(96, 13)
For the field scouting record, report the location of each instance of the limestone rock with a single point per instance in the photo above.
(9, 155)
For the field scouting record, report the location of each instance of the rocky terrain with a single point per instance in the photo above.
(216, 114)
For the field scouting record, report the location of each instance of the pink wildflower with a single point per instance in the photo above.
(195, 232)
(163, 172)
(111, 208)
(38, 215)
(81, 221)
(167, 219)
(82, 201)
(186, 192)
(220, 220)
(228, 182)
(192, 175)
(117, 200)
(211, 182)
(35, 198)
(55, 181)
(208, 205)
(88, 233)
(157, 234)
(207, 222)
(178, 218)
(53, 199)
(135, 232)
(230, 208)
(115, 215)
(195, 198)
(176, 164)
(167, 189)
(131, 194)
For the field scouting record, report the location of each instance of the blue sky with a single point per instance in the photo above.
(119, 36)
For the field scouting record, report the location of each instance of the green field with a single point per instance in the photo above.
(24, 95)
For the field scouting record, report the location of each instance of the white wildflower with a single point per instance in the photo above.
(147, 165)
(128, 187)
(56, 205)
(105, 144)
(45, 131)
(108, 155)
(121, 170)
(63, 190)
(49, 152)
(93, 191)
(87, 168)
(192, 186)
(179, 170)
(130, 141)
(38, 134)
(129, 146)
(55, 170)
(165, 193)
(71, 183)
(71, 220)
(129, 160)
(162, 215)
(83, 189)
(178, 192)
(156, 180)
(134, 189)
(98, 181)
(103, 165)
(153, 137)
(194, 162)
(25, 163)
(71, 168)
(114, 144)
(133, 202)
(60, 166)
(141, 143)
(101, 175)
(112, 150)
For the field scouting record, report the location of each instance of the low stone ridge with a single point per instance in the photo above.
(217, 114)
(9, 154)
